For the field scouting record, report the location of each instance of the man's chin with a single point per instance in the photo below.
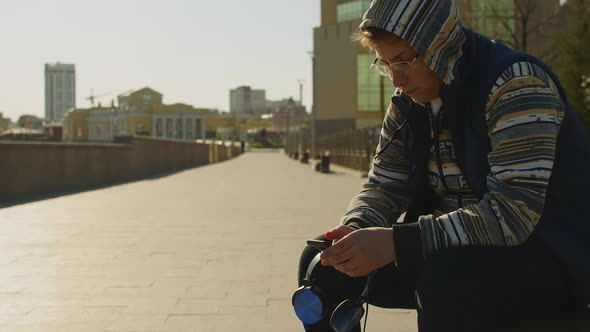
(422, 100)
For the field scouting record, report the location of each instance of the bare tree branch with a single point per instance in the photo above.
(524, 23)
(504, 21)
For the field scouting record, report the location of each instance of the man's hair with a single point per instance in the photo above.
(368, 36)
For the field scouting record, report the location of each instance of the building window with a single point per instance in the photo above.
(198, 133)
(352, 10)
(178, 128)
(189, 129)
(369, 86)
(169, 128)
(159, 128)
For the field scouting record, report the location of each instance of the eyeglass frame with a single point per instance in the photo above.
(384, 69)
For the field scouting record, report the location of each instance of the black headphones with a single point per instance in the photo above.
(310, 301)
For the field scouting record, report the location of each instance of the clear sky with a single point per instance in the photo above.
(191, 51)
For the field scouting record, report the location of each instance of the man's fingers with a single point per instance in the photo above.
(336, 250)
(338, 256)
(352, 268)
(347, 267)
(339, 232)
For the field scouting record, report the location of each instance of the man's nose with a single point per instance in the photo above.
(398, 79)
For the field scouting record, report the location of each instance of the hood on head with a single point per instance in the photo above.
(431, 27)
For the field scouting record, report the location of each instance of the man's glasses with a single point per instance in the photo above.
(402, 67)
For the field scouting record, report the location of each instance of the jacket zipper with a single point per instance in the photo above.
(435, 125)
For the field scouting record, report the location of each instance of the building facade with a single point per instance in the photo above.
(139, 112)
(5, 123)
(60, 90)
(75, 124)
(347, 94)
(246, 100)
(30, 122)
(288, 116)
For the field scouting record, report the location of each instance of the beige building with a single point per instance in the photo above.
(347, 94)
(139, 112)
(4, 122)
(75, 124)
(145, 99)
(179, 122)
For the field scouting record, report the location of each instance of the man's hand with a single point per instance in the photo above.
(359, 252)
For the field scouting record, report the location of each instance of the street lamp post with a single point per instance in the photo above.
(299, 119)
(289, 111)
(313, 104)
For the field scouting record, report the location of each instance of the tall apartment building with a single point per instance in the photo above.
(347, 94)
(60, 90)
(244, 99)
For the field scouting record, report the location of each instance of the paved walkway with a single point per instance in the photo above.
(213, 248)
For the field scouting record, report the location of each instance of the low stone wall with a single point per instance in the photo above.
(34, 168)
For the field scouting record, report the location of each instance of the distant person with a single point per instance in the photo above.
(482, 151)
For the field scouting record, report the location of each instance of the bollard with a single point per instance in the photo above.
(325, 162)
(318, 164)
(305, 157)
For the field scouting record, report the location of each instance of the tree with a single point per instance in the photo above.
(526, 25)
(558, 35)
(535, 20)
(573, 63)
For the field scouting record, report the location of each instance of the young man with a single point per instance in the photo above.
(482, 151)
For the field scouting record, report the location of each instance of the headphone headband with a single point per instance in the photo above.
(314, 262)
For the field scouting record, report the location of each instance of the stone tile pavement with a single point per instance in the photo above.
(210, 249)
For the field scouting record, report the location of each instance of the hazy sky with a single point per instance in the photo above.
(191, 51)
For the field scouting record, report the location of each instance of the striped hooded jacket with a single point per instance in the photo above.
(493, 165)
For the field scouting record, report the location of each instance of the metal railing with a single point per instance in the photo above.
(352, 148)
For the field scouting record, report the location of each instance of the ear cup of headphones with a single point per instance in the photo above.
(347, 315)
(309, 300)
(323, 289)
(309, 304)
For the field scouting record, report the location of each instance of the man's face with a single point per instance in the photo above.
(415, 80)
